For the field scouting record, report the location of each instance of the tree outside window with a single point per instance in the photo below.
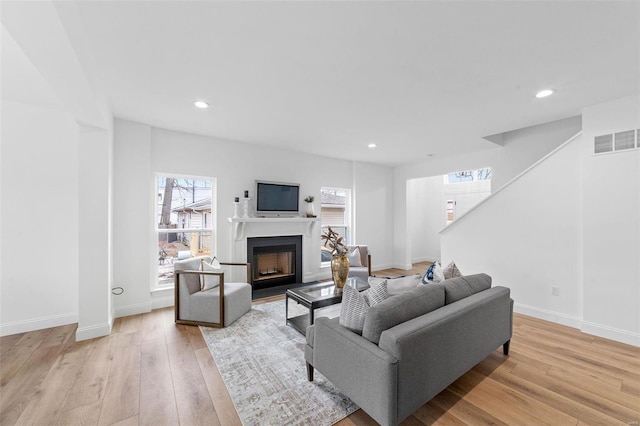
(184, 221)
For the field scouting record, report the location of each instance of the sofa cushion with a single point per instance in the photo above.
(400, 308)
(461, 287)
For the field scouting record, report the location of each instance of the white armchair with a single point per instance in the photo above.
(216, 307)
(364, 269)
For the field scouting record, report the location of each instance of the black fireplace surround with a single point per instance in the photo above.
(275, 261)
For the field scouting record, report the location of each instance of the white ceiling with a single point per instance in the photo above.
(328, 78)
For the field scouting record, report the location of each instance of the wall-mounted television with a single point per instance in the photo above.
(277, 199)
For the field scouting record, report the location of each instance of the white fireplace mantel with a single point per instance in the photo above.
(243, 228)
(242, 224)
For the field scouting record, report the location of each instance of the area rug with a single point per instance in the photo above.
(261, 361)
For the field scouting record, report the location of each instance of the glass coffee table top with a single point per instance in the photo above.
(317, 296)
(328, 290)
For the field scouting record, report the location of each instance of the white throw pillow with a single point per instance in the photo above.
(438, 274)
(209, 281)
(398, 285)
(354, 257)
(434, 274)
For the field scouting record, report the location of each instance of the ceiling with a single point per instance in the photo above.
(415, 78)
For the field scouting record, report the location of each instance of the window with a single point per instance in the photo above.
(469, 175)
(335, 213)
(184, 221)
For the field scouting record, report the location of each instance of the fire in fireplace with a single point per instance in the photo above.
(275, 260)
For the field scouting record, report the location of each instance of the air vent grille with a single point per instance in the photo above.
(603, 144)
(625, 140)
(615, 142)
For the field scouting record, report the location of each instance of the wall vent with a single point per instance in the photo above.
(620, 141)
(625, 140)
(603, 144)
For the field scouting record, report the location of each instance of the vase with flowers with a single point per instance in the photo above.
(339, 260)
(310, 210)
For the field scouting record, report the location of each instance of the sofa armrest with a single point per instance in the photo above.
(360, 369)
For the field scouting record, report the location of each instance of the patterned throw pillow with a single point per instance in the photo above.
(451, 271)
(355, 304)
(434, 274)
(353, 310)
(354, 257)
(376, 293)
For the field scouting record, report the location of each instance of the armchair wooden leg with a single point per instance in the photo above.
(310, 372)
(505, 347)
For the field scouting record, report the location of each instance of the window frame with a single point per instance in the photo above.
(348, 217)
(156, 231)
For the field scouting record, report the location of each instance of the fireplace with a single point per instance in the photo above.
(275, 261)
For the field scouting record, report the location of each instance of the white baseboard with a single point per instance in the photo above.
(547, 315)
(138, 308)
(375, 267)
(162, 302)
(37, 323)
(423, 259)
(405, 266)
(93, 331)
(611, 333)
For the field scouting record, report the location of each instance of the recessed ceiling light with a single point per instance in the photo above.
(372, 145)
(544, 93)
(201, 104)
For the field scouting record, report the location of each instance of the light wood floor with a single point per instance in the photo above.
(150, 371)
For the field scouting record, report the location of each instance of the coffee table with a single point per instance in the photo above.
(317, 296)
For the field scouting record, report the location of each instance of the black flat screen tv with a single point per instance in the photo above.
(277, 199)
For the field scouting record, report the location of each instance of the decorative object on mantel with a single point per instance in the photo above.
(339, 261)
(236, 208)
(247, 204)
(310, 210)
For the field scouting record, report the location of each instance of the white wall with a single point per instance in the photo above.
(528, 237)
(425, 217)
(94, 233)
(46, 93)
(611, 215)
(39, 225)
(374, 212)
(142, 151)
(521, 148)
(570, 222)
(426, 210)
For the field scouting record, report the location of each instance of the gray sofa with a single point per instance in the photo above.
(413, 344)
